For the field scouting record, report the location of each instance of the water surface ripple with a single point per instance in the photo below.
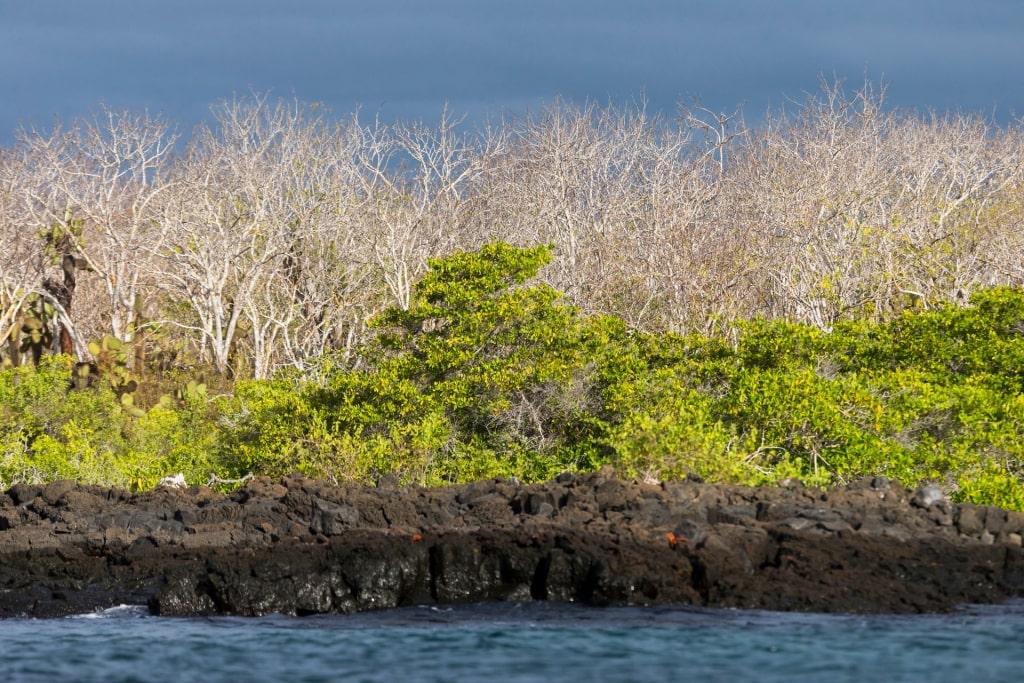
(520, 643)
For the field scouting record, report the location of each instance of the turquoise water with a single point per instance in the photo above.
(520, 642)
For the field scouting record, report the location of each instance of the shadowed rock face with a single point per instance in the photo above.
(302, 547)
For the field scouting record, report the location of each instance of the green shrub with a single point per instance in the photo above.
(49, 431)
(991, 484)
(489, 374)
(480, 376)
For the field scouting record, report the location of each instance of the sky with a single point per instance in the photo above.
(407, 59)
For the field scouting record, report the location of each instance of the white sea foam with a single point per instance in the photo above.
(118, 612)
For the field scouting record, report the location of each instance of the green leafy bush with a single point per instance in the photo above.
(488, 373)
(480, 376)
(49, 431)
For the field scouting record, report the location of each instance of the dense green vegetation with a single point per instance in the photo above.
(488, 372)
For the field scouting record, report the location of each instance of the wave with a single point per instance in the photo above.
(117, 612)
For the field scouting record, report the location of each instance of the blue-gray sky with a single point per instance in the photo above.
(406, 58)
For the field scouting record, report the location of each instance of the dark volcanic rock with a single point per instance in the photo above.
(303, 547)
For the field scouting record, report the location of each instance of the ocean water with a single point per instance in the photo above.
(520, 642)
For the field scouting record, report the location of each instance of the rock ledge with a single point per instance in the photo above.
(299, 546)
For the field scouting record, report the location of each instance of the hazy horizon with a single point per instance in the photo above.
(406, 59)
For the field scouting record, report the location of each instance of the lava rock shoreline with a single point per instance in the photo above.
(299, 546)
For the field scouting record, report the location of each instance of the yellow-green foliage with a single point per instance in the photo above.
(478, 377)
(487, 374)
(49, 431)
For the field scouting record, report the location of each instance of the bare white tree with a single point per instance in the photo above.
(273, 238)
(415, 180)
(806, 187)
(21, 262)
(232, 224)
(109, 173)
(331, 276)
(951, 201)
